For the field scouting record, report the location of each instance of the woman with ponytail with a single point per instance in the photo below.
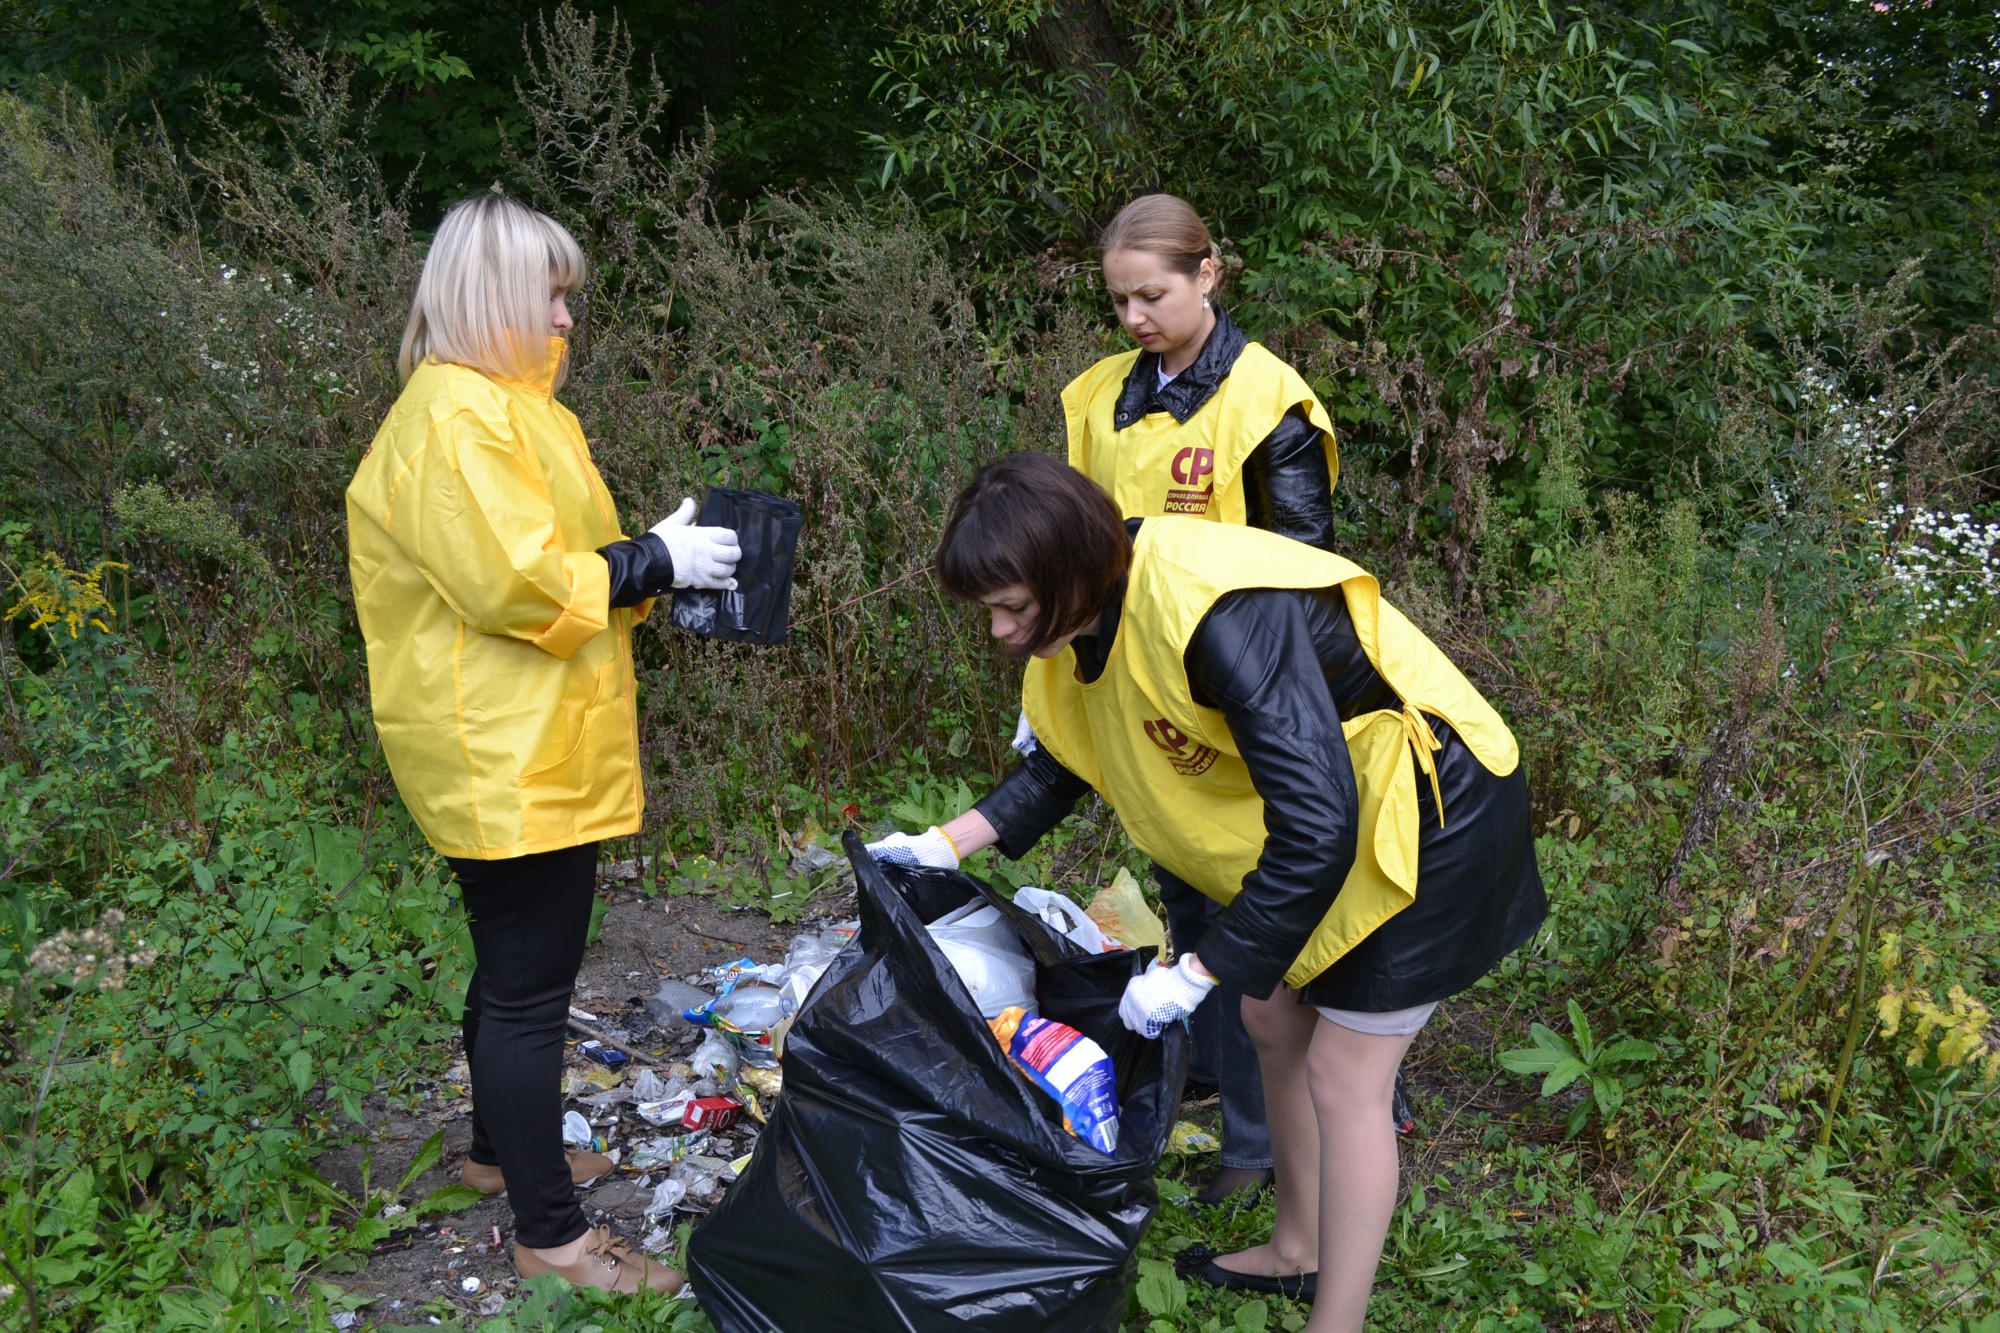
(1199, 420)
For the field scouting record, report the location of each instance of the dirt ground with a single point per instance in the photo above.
(460, 1263)
(458, 1267)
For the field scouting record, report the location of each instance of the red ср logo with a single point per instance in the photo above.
(1192, 464)
(1193, 468)
(1188, 758)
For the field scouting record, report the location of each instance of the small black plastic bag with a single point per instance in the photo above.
(911, 1178)
(759, 608)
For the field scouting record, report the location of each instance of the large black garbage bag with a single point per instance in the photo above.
(758, 609)
(911, 1178)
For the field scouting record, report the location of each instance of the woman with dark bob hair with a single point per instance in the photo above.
(1273, 732)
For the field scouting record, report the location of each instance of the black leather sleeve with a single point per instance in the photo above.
(640, 568)
(1031, 800)
(1255, 659)
(1287, 489)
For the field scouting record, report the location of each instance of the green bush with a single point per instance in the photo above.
(187, 970)
(1759, 724)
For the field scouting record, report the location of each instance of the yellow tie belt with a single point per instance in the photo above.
(1424, 743)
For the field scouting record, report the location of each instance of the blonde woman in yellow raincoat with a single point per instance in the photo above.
(497, 594)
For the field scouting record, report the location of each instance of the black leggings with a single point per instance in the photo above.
(529, 916)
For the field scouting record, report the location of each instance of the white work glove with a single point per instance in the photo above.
(703, 557)
(929, 848)
(1162, 996)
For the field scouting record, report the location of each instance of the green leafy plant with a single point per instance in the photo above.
(1608, 1072)
(547, 1304)
(928, 800)
(1161, 1294)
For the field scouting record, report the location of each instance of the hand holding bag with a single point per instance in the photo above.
(758, 609)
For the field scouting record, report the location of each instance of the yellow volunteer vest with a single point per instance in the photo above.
(1171, 769)
(1158, 465)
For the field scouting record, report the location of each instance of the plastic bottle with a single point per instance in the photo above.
(673, 998)
(751, 1008)
(798, 984)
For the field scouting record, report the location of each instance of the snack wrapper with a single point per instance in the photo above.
(1067, 1065)
(1187, 1138)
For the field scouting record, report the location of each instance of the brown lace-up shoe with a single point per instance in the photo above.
(584, 1167)
(607, 1261)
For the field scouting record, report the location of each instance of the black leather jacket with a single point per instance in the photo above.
(640, 568)
(1284, 667)
(1287, 489)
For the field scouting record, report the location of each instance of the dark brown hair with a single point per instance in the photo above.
(1165, 225)
(1031, 520)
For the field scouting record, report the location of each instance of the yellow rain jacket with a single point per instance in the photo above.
(500, 676)
(1170, 767)
(1157, 465)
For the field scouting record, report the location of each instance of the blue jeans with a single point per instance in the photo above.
(1223, 1054)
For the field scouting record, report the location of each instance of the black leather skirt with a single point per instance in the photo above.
(1479, 894)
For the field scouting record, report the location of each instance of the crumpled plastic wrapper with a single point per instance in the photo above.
(1189, 1139)
(667, 1196)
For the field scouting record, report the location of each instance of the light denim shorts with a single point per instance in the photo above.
(1394, 1023)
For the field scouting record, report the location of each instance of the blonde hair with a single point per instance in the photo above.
(1165, 225)
(483, 297)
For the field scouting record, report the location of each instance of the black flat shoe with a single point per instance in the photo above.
(1199, 1262)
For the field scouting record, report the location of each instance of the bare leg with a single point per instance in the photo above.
(1353, 1077)
(1283, 1032)
(1327, 1091)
